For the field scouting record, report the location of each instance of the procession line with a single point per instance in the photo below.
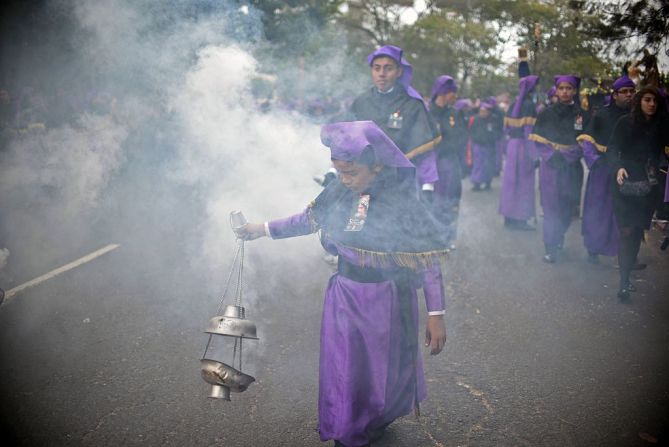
(12, 292)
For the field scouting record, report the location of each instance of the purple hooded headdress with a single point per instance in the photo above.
(525, 86)
(575, 81)
(396, 54)
(551, 92)
(463, 103)
(442, 85)
(347, 140)
(622, 82)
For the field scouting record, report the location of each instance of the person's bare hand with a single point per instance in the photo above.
(435, 333)
(251, 231)
(622, 175)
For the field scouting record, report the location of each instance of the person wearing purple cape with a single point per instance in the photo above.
(599, 228)
(516, 202)
(398, 109)
(554, 135)
(484, 133)
(450, 123)
(388, 244)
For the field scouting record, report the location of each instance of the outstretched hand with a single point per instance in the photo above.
(435, 333)
(250, 231)
(621, 176)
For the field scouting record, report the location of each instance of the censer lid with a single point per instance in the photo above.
(232, 323)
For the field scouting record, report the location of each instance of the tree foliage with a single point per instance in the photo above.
(631, 25)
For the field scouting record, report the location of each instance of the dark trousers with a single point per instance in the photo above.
(628, 250)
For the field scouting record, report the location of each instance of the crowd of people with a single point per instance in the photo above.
(389, 209)
(388, 213)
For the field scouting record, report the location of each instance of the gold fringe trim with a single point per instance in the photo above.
(427, 147)
(666, 150)
(542, 140)
(412, 261)
(519, 122)
(589, 139)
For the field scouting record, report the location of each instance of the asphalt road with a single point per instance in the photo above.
(107, 354)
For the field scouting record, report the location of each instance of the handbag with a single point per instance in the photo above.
(639, 188)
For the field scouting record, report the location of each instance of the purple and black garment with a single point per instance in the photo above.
(452, 128)
(560, 169)
(370, 365)
(599, 227)
(517, 191)
(402, 115)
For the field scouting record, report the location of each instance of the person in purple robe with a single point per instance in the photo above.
(636, 146)
(450, 123)
(516, 202)
(388, 244)
(398, 109)
(483, 134)
(599, 228)
(554, 135)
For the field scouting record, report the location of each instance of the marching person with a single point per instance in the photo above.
(516, 202)
(554, 134)
(484, 132)
(599, 228)
(398, 109)
(387, 243)
(450, 123)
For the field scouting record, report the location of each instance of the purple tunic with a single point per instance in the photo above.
(599, 227)
(554, 185)
(483, 164)
(517, 195)
(368, 376)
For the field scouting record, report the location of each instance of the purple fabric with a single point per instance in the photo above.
(599, 227)
(551, 92)
(462, 104)
(486, 105)
(590, 153)
(447, 194)
(525, 86)
(426, 168)
(368, 376)
(555, 203)
(483, 164)
(517, 195)
(442, 85)
(347, 140)
(397, 55)
(575, 81)
(623, 82)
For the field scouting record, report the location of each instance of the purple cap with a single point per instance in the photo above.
(486, 105)
(622, 82)
(347, 140)
(442, 85)
(575, 81)
(463, 103)
(551, 92)
(396, 54)
(525, 86)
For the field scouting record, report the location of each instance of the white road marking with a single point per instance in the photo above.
(12, 292)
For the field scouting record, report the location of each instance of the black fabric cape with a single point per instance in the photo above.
(397, 224)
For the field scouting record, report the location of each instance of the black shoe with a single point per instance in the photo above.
(550, 258)
(623, 294)
(593, 258)
(639, 266)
